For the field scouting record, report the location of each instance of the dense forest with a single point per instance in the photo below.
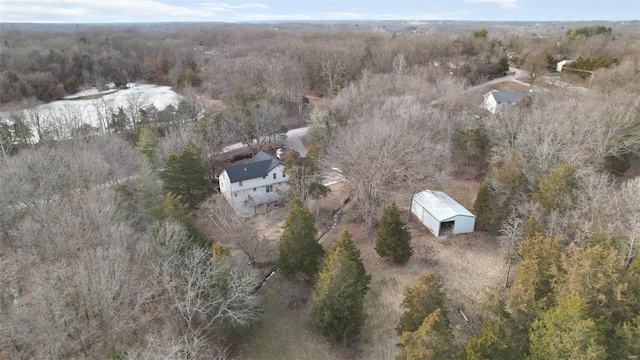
(114, 242)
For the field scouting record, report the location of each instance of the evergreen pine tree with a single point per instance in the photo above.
(148, 146)
(533, 289)
(338, 309)
(490, 214)
(420, 300)
(495, 341)
(187, 175)
(499, 192)
(626, 343)
(347, 244)
(557, 191)
(300, 252)
(118, 121)
(147, 187)
(393, 239)
(432, 340)
(597, 276)
(566, 332)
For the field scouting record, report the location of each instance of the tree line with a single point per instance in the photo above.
(48, 64)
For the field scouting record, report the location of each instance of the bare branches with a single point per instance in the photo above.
(234, 229)
(394, 142)
(510, 233)
(630, 194)
(255, 122)
(582, 129)
(205, 292)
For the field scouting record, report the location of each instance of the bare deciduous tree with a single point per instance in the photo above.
(37, 118)
(136, 101)
(82, 293)
(630, 194)
(205, 291)
(399, 64)
(510, 233)
(256, 122)
(574, 128)
(104, 111)
(535, 65)
(234, 229)
(595, 200)
(395, 142)
(6, 138)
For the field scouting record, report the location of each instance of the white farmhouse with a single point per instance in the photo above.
(495, 100)
(441, 214)
(259, 181)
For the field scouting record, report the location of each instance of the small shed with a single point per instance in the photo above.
(561, 64)
(441, 214)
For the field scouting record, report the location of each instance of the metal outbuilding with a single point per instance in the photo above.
(441, 214)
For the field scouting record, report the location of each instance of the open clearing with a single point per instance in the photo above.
(466, 264)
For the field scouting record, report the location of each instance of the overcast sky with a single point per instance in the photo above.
(111, 11)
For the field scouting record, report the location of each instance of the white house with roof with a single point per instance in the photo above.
(441, 214)
(494, 100)
(259, 181)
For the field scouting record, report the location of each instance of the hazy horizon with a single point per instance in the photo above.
(163, 11)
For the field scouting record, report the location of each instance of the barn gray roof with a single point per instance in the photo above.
(507, 96)
(257, 167)
(440, 205)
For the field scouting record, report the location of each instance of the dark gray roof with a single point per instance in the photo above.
(258, 166)
(507, 96)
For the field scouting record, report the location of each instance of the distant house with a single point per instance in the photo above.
(441, 214)
(259, 181)
(561, 64)
(495, 100)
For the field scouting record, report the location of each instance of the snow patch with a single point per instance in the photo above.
(75, 110)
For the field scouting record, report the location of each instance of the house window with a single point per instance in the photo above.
(254, 189)
(274, 175)
(269, 188)
(235, 194)
(283, 174)
(239, 183)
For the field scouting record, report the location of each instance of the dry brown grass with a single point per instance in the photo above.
(466, 264)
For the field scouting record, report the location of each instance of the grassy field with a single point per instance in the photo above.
(466, 264)
(285, 331)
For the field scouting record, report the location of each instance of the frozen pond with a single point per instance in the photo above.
(95, 108)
